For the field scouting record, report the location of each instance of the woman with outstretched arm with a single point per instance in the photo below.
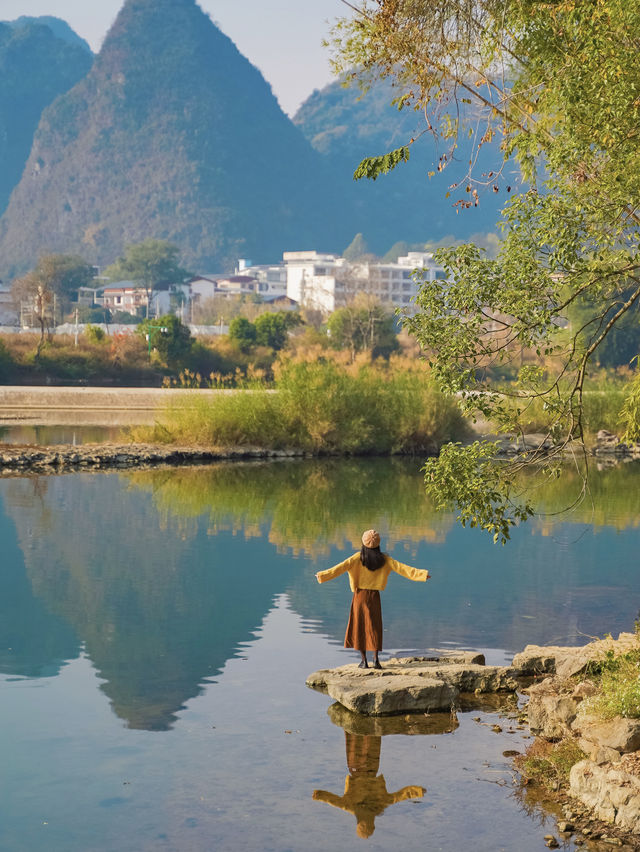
(368, 574)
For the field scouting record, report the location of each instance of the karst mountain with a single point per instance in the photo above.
(410, 204)
(36, 65)
(172, 134)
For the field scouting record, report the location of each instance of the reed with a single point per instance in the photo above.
(319, 407)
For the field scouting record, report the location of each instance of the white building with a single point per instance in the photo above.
(272, 280)
(8, 310)
(326, 282)
(126, 296)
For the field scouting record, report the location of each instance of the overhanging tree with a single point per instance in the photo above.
(559, 85)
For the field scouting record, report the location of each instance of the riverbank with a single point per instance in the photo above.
(586, 755)
(65, 458)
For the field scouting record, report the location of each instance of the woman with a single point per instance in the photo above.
(368, 573)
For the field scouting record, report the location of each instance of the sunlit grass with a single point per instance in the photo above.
(319, 407)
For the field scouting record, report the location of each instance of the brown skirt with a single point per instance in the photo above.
(364, 630)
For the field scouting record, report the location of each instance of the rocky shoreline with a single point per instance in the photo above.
(20, 459)
(601, 801)
(64, 458)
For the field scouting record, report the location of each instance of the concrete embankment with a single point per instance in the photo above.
(88, 406)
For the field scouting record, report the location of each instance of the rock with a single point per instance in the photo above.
(585, 689)
(394, 695)
(620, 734)
(412, 685)
(611, 793)
(597, 753)
(537, 659)
(565, 662)
(606, 440)
(565, 827)
(464, 658)
(551, 712)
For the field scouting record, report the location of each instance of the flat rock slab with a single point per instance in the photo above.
(410, 684)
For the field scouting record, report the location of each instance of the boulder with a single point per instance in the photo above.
(620, 734)
(537, 659)
(565, 662)
(610, 792)
(409, 685)
(597, 753)
(550, 711)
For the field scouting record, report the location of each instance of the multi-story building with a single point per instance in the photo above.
(326, 282)
(126, 296)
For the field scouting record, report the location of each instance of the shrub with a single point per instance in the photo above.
(323, 408)
(94, 334)
(169, 337)
(549, 764)
(242, 332)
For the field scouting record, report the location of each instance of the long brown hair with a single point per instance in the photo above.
(372, 557)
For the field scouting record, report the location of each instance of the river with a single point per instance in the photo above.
(156, 629)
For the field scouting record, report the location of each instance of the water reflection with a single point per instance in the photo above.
(365, 792)
(163, 576)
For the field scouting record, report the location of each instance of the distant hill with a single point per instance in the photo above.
(172, 134)
(58, 27)
(35, 67)
(347, 126)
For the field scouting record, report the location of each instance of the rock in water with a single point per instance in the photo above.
(409, 685)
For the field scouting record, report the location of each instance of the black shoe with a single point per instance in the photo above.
(363, 665)
(377, 665)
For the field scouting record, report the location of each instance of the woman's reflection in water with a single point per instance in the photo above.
(365, 792)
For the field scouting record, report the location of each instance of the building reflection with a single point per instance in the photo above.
(365, 788)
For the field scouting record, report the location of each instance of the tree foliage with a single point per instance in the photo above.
(55, 278)
(363, 325)
(271, 330)
(169, 337)
(559, 84)
(150, 264)
(242, 332)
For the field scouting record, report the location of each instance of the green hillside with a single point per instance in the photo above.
(346, 126)
(58, 27)
(35, 67)
(173, 134)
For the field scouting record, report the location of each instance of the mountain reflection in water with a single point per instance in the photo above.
(161, 576)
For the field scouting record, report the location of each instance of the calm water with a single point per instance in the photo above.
(50, 435)
(156, 629)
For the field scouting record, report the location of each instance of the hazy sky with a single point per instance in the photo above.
(282, 37)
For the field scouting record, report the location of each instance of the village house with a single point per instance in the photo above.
(126, 296)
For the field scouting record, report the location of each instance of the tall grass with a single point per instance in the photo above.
(319, 407)
(618, 689)
(603, 401)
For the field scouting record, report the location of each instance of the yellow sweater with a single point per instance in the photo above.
(361, 578)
